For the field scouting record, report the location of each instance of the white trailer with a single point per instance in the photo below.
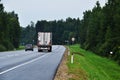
(44, 41)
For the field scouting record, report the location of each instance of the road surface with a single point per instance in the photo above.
(30, 65)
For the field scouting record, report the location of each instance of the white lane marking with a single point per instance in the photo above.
(3, 72)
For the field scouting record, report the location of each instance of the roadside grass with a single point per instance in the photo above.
(89, 66)
(21, 48)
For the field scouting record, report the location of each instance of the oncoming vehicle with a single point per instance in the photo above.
(28, 47)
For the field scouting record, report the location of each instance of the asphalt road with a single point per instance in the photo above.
(30, 65)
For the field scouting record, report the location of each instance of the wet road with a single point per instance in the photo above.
(30, 65)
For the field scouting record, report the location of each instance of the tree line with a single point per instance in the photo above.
(9, 30)
(62, 30)
(100, 30)
(28, 34)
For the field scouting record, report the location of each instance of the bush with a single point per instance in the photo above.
(2, 48)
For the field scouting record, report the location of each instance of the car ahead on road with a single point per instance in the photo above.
(28, 47)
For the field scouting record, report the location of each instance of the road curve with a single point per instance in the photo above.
(21, 65)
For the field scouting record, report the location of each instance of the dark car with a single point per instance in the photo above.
(28, 47)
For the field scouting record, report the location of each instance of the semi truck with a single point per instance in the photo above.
(44, 41)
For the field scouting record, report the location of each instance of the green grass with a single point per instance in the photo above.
(88, 66)
(21, 48)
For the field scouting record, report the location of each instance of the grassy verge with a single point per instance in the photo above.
(21, 48)
(88, 66)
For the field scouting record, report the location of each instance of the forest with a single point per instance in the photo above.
(100, 30)
(9, 30)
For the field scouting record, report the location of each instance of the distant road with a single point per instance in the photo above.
(30, 65)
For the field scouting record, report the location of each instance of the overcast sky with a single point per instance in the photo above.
(33, 10)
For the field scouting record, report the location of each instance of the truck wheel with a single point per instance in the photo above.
(50, 49)
(39, 50)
